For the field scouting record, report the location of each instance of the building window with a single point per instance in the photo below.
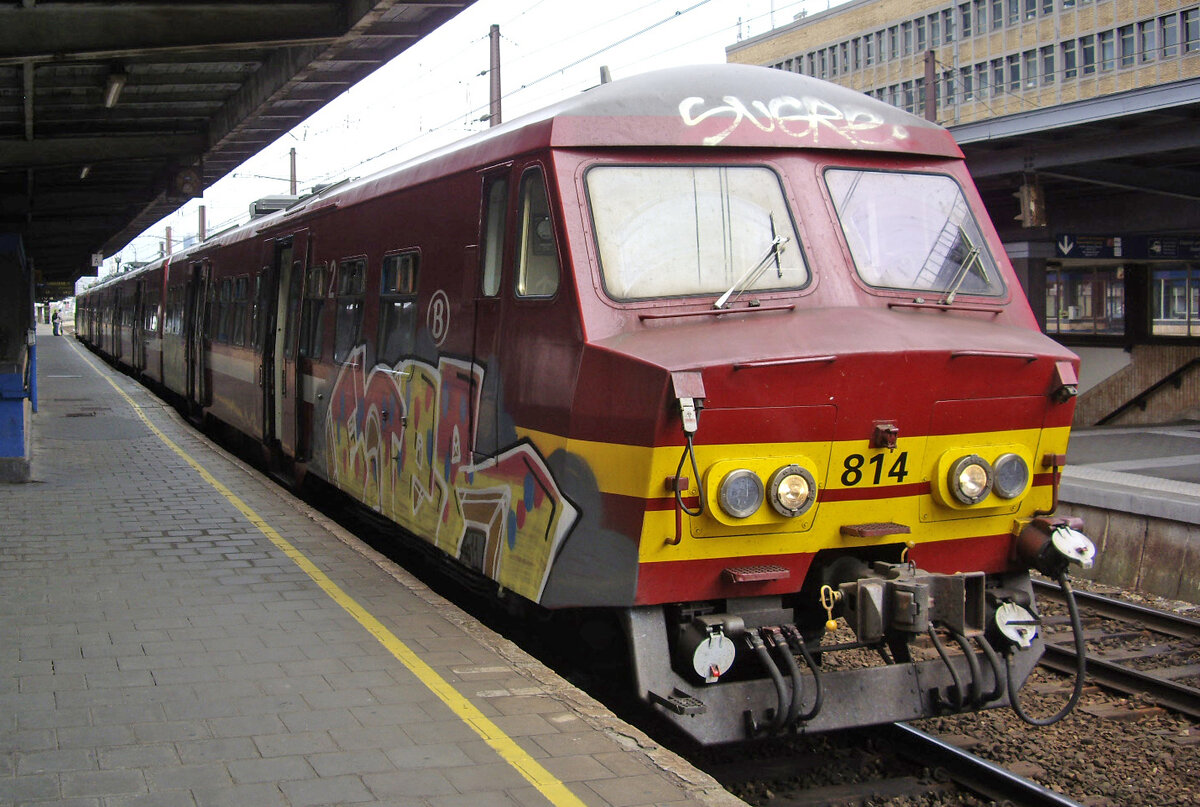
(1047, 6)
(1128, 45)
(1168, 34)
(1068, 3)
(1048, 64)
(966, 79)
(1031, 7)
(1087, 52)
(856, 53)
(894, 42)
(1107, 49)
(906, 33)
(869, 50)
(980, 7)
(997, 14)
(997, 77)
(1147, 40)
(981, 80)
(964, 20)
(920, 33)
(935, 30)
(1191, 30)
(948, 24)
(833, 61)
(1175, 300)
(1014, 12)
(1086, 301)
(1030, 58)
(1014, 73)
(1068, 59)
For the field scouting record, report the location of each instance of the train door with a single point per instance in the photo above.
(136, 333)
(487, 272)
(114, 329)
(283, 392)
(195, 316)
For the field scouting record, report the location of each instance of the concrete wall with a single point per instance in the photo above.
(1142, 553)
(1147, 365)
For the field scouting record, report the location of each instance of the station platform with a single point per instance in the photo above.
(176, 630)
(1138, 492)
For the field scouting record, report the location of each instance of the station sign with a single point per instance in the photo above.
(1131, 247)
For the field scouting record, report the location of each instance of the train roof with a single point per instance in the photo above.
(699, 106)
(740, 106)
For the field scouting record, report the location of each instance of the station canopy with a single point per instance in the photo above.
(114, 114)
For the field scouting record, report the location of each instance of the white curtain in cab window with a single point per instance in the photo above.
(673, 231)
(912, 231)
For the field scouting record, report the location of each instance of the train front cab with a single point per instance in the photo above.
(856, 418)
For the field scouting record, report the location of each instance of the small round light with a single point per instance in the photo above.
(793, 490)
(970, 479)
(1011, 476)
(741, 493)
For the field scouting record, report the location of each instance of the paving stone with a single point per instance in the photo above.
(157, 650)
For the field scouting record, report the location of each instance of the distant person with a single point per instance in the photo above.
(56, 321)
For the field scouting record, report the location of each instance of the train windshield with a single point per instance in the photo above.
(913, 232)
(675, 231)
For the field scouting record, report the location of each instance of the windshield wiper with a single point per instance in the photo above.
(964, 268)
(774, 250)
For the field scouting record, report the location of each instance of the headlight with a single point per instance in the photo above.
(1011, 476)
(793, 490)
(741, 493)
(970, 479)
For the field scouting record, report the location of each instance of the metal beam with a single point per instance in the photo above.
(27, 85)
(96, 150)
(1075, 151)
(60, 31)
(1179, 184)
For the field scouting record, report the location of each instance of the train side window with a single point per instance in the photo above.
(258, 322)
(312, 323)
(495, 199)
(537, 260)
(351, 284)
(237, 317)
(224, 310)
(397, 308)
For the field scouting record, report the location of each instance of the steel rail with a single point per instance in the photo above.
(1181, 627)
(978, 775)
(1164, 692)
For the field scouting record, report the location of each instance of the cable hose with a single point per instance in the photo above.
(972, 665)
(998, 675)
(1080, 665)
(957, 689)
(789, 661)
(812, 665)
(689, 450)
(760, 650)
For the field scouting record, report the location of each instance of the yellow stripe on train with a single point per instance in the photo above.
(854, 478)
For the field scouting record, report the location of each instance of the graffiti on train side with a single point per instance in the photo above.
(815, 120)
(399, 440)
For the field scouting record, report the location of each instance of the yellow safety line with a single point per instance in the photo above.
(505, 746)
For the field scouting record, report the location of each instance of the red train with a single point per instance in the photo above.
(732, 351)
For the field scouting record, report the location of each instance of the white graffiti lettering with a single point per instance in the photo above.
(807, 119)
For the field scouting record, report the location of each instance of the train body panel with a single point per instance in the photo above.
(705, 347)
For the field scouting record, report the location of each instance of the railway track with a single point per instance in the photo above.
(885, 764)
(1132, 649)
